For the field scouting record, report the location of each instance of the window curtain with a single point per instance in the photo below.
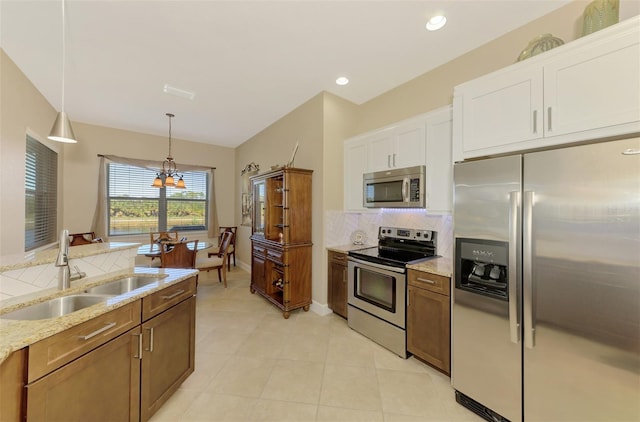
(100, 220)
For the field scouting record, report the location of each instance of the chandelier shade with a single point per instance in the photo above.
(166, 177)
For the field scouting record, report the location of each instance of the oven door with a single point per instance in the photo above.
(378, 290)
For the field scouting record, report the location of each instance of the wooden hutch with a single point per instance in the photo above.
(281, 238)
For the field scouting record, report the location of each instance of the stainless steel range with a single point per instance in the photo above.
(377, 284)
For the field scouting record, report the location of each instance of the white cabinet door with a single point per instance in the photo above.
(501, 110)
(439, 183)
(381, 149)
(410, 144)
(593, 88)
(398, 146)
(355, 165)
(587, 89)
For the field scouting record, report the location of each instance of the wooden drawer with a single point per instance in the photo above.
(53, 352)
(338, 257)
(259, 251)
(164, 299)
(433, 282)
(276, 256)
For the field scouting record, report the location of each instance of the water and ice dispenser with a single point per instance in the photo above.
(482, 267)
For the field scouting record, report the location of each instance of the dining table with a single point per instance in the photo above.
(152, 250)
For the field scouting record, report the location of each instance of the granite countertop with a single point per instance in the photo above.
(30, 259)
(16, 334)
(440, 266)
(348, 247)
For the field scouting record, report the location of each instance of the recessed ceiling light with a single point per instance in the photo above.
(172, 90)
(342, 80)
(436, 22)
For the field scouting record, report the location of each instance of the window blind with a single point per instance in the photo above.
(135, 207)
(41, 195)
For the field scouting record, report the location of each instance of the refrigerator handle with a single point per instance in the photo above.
(527, 276)
(514, 224)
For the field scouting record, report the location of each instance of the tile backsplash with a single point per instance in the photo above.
(21, 281)
(340, 225)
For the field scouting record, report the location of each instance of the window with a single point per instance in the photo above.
(41, 195)
(135, 207)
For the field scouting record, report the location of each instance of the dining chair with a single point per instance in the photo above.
(215, 262)
(157, 237)
(83, 239)
(232, 246)
(179, 255)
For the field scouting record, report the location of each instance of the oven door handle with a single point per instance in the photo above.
(382, 267)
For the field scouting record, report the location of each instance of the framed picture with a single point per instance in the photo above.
(247, 196)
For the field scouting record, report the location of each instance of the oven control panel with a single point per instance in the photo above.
(411, 234)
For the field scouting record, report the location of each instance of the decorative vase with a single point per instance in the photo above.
(540, 44)
(600, 14)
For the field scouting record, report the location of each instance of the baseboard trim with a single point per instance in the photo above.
(319, 309)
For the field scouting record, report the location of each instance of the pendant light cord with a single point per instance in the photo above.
(63, 52)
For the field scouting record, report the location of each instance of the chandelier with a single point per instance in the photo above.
(169, 170)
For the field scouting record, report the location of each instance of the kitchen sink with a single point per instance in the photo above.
(56, 307)
(123, 285)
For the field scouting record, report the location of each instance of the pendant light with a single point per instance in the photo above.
(169, 169)
(61, 130)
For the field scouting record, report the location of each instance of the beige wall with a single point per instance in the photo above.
(319, 125)
(81, 168)
(22, 108)
(342, 119)
(435, 88)
(340, 122)
(273, 146)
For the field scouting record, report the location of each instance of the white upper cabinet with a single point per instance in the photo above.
(424, 140)
(595, 87)
(398, 146)
(502, 110)
(380, 150)
(586, 89)
(410, 147)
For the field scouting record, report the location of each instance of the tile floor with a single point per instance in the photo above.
(253, 365)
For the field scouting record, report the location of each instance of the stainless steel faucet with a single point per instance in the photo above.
(62, 262)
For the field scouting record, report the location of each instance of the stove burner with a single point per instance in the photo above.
(399, 247)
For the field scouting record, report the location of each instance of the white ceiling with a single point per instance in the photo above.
(248, 62)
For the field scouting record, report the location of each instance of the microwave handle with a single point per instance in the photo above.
(405, 189)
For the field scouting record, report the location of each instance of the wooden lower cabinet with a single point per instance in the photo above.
(115, 376)
(337, 293)
(282, 274)
(102, 385)
(168, 355)
(258, 280)
(12, 382)
(429, 319)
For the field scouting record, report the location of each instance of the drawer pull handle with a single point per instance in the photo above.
(426, 280)
(176, 294)
(98, 331)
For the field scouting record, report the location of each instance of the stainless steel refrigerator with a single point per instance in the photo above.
(546, 305)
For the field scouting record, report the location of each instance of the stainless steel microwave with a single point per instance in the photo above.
(397, 188)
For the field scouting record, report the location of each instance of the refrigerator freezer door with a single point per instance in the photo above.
(486, 352)
(582, 305)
